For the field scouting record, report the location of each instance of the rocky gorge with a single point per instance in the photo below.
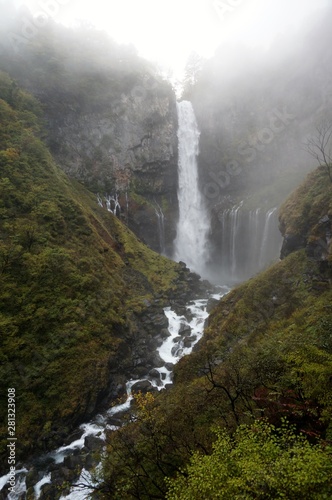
(104, 175)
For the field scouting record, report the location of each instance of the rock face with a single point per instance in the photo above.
(111, 122)
(128, 149)
(312, 232)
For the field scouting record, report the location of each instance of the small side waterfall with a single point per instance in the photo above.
(111, 202)
(247, 242)
(193, 226)
(161, 228)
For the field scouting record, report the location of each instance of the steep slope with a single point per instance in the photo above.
(110, 117)
(266, 352)
(75, 285)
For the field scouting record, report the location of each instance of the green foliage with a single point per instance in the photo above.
(301, 212)
(266, 352)
(260, 461)
(67, 292)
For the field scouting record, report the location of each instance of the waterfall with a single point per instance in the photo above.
(265, 237)
(193, 226)
(247, 242)
(111, 202)
(161, 228)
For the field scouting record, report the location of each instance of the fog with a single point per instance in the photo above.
(258, 73)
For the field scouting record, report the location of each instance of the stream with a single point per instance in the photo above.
(185, 330)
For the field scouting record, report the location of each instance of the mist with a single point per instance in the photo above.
(258, 75)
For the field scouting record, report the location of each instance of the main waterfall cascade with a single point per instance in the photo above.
(247, 242)
(193, 226)
(243, 242)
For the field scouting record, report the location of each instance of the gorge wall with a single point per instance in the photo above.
(111, 122)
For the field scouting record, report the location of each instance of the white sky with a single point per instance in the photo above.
(167, 31)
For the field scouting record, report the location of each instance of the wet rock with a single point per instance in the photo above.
(48, 491)
(156, 360)
(169, 366)
(292, 243)
(142, 386)
(114, 421)
(33, 477)
(73, 462)
(177, 351)
(140, 372)
(164, 334)
(77, 434)
(154, 373)
(176, 340)
(63, 475)
(93, 443)
(184, 330)
(188, 341)
(212, 303)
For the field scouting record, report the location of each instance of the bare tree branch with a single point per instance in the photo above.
(320, 146)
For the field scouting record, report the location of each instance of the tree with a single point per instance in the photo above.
(193, 69)
(259, 462)
(320, 146)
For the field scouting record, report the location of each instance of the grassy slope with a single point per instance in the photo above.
(71, 276)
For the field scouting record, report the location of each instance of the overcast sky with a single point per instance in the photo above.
(167, 31)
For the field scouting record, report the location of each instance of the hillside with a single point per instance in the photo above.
(266, 354)
(110, 118)
(76, 287)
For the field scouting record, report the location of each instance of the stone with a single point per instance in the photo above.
(93, 443)
(292, 243)
(74, 436)
(188, 341)
(176, 350)
(154, 373)
(73, 462)
(212, 303)
(176, 340)
(184, 330)
(164, 334)
(142, 386)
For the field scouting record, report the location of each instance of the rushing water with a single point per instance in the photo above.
(161, 228)
(184, 332)
(193, 226)
(248, 241)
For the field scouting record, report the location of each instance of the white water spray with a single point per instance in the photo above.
(193, 227)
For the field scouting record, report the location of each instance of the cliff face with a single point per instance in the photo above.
(126, 148)
(306, 219)
(111, 123)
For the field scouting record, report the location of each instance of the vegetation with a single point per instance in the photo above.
(266, 356)
(260, 461)
(72, 277)
(319, 147)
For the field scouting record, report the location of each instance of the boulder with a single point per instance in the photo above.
(212, 303)
(188, 341)
(154, 373)
(184, 330)
(93, 443)
(142, 386)
(292, 243)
